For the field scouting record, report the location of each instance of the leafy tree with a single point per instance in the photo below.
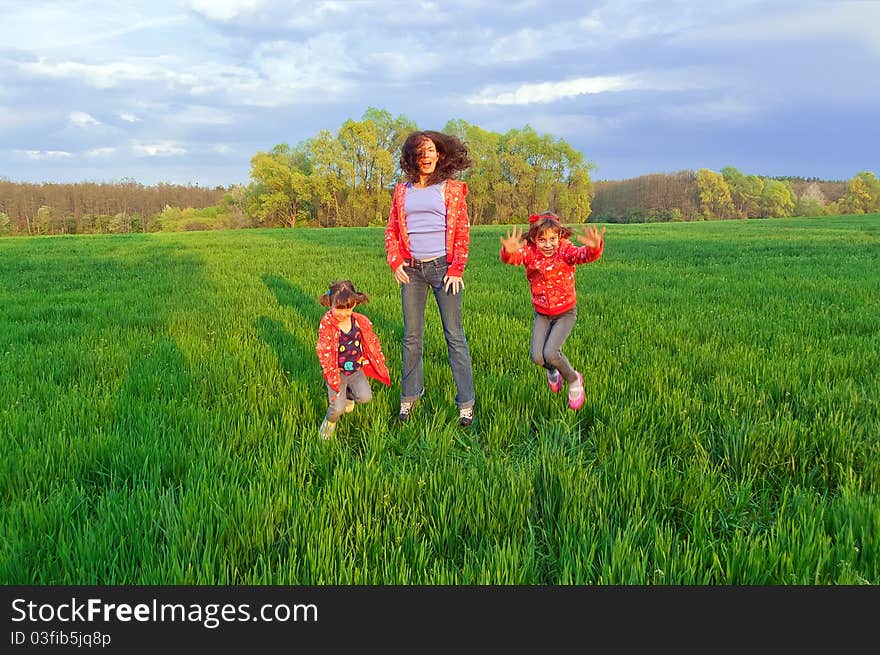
(714, 194)
(745, 191)
(777, 198)
(5, 224)
(281, 186)
(808, 207)
(329, 176)
(529, 172)
(484, 148)
(862, 194)
(43, 221)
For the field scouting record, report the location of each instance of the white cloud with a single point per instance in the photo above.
(314, 16)
(321, 62)
(222, 149)
(275, 75)
(295, 15)
(848, 20)
(128, 118)
(395, 57)
(60, 26)
(42, 155)
(82, 119)
(525, 94)
(224, 10)
(100, 152)
(109, 75)
(159, 149)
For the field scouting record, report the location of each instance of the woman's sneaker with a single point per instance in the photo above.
(326, 430)
(576, 393)
(406, 408)
(554, 381)
(465, 415)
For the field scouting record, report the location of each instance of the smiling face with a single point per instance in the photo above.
(548, 242)
(427, 158)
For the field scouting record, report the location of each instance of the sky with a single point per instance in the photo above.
(187, 91)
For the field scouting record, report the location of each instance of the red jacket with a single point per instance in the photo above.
(458, 228)
(328, 346)
(551, 279)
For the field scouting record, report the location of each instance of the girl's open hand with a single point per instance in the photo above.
(513, 241)
(591, 236)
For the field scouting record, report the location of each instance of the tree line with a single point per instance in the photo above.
(728, 194)
(90, 207)
(345, 179)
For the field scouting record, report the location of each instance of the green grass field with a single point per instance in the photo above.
(161, 401)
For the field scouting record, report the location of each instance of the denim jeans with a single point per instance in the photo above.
(351, 387)
(428, 276)
(548, 335)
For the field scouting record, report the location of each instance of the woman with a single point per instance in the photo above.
(426, 244)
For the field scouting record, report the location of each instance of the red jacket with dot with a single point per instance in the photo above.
(458, 228)
(551, 279)
(328, 348)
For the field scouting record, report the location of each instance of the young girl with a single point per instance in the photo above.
(549, 259)
(348, 350)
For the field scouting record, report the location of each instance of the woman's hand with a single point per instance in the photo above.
(513, 241)
(454, 283)
(591, 236)
(400, 275)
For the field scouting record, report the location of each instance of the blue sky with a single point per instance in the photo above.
(187, 91)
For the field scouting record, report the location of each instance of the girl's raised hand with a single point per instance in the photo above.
(591, 236)
(513, 241)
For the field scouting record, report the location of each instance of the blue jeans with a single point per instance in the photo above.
(422, 278)
(548, 335)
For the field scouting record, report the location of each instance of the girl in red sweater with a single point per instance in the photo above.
(549, 259)
(349, 352)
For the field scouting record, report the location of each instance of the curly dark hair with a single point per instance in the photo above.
(343, 295)
(453, 153)
(544, 222)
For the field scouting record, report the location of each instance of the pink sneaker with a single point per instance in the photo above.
(577, 401)
(555, 386)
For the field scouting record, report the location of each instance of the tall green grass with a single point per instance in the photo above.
(161, 400)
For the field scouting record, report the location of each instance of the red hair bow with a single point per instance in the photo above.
(534, 218)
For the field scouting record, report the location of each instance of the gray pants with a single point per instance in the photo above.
(548, 335)
(351, 387)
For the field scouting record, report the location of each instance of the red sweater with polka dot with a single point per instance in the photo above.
(328, 347)
(551, 279)
(458, 228)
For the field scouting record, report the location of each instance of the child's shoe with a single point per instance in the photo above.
(554, 381)
(349, 406)
(465, 415)
(326, 430)
(576, 393)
